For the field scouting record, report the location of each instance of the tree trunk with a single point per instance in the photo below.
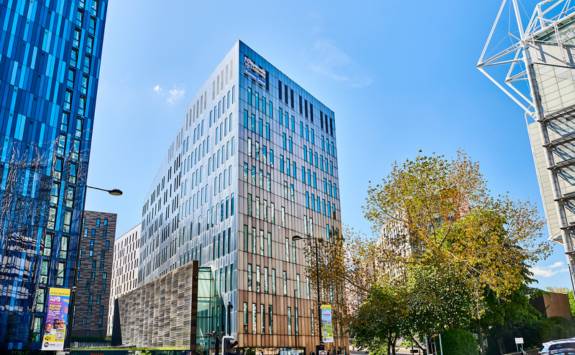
(480, 339)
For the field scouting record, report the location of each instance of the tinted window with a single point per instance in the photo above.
(562, 349)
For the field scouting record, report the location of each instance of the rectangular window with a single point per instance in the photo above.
(258, 279)
(289, 320)
(266, 280)
(249, 271)
(68, 100)
(63, 247)
(44, 272)
(40, 299)
(271, 318)
(269, 243)
(297, 286)
(296, 321)
(254, 318)
(69, 197)
(274, 278)
(268, 131)
(71, 77)
(245, 311)
(246, 238)
(263, 317)
(285, 283)
(280, 89)
(250, 201)
(60, 274)
(47, 247)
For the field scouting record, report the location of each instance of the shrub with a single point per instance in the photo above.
(459, 342)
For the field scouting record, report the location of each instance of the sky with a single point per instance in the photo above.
(399, 75)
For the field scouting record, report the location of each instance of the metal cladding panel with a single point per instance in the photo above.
(162, 313)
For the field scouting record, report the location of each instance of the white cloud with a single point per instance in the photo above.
(335, 64)
(549, 270)
(172, 95)
(175, 94)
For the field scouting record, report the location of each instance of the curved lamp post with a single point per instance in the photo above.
(113, 192)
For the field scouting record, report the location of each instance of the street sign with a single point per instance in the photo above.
(519, 341)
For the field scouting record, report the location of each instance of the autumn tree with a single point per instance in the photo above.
(443, 236)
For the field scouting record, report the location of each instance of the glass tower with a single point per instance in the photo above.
(254, 163)
(49, 62)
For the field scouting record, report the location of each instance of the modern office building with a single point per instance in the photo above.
(124, 268)
(93, 280)
(537, 71)
(49, 63)
(253, 164)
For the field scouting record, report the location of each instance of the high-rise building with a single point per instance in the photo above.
(49, 63)
(537, 71)
(125, 268)
(94, 277)
(254, 164)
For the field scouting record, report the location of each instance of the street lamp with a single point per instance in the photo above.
(295, 238)
(113, 192)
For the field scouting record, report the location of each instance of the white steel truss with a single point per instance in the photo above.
(537, 71)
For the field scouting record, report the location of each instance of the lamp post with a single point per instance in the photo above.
(112, 192)
(295, 238)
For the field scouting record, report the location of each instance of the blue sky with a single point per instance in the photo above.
(400, 76)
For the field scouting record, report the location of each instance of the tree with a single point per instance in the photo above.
(451, 218)
(442, 234)
(438, 299)
(381, 318)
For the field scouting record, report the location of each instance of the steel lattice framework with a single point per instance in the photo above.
(536, 70)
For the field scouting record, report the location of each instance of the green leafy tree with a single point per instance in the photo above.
(446, 240)
(438, 299)
(380, 320)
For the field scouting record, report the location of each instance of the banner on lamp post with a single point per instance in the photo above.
(326, 323)
(56, 319)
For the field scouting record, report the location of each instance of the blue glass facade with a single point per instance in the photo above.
(49, 63)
